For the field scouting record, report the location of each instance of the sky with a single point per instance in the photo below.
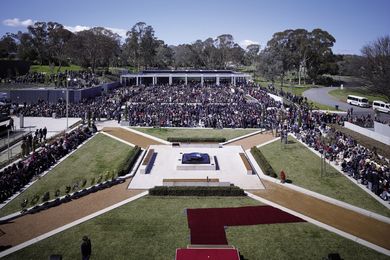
(353, 23)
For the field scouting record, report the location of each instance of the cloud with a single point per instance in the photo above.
(246, 43)
(16, 22)
(79, 28)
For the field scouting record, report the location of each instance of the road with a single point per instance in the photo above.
(322, 96)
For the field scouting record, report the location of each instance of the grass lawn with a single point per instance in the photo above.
(153, 227)
(95, 158)
(341, 94)
(46, 68)
(303, 168)
(164, 133)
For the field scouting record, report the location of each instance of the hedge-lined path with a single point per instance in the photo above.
(30, 226)
(253, 140)
(359, 225)
(130, 136)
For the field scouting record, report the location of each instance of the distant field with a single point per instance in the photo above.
(303, 168)
(164, 133)
(342, 94)
(94, 159)
(153, 227)
(46, 68)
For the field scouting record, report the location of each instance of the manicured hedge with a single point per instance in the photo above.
(131, 159)
(263, 163)
(197, 139)
(196, 191)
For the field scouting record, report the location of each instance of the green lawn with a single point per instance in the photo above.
(164, 133)
(46, 68)
(304, 169)
(153, 227)
(341, 94)
(94, 159)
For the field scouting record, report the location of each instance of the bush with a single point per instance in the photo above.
(132, 156)
(67, 189)
(196, 191)
(263, 163)
(57, 193)
(197, 139)
(93, 181)
(83, 183)
(46, 196)
(35, 199)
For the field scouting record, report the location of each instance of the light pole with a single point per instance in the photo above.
(67, 103)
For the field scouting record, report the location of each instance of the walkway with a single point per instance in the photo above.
(30, 226)
(349, 221)
(130, 136)
(253, 140)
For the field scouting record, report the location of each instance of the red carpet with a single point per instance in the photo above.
(207, 254)
(207, 225)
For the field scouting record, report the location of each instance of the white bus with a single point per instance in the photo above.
(381, 106)
(358, 101)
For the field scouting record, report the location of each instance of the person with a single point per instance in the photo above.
(86, 248)
(282, 177)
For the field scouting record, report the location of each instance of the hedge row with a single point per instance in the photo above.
(130, 161)
(263, 163)
(197, 139)
(196, 191)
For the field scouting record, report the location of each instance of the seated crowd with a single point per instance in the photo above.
(244, 106)
(16, 176)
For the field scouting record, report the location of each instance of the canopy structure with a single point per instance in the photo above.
(164, 77)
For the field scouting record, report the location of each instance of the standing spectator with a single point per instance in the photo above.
(86, 248)
(44, 132)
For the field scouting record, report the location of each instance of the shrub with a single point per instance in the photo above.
(24, 203)
(132, 156)
(83, 183)
(57, 193)
(46, 196)
(93, 181)
(35, 199)
(263, 163)
(197, 139)
(100, 178)
(67, 189)
(196, 191)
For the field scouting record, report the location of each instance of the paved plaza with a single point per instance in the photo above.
(231, 167)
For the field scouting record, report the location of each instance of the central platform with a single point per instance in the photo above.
(195, 161)
(226, 164)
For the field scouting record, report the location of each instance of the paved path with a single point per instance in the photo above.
(30, 226)
(349, 221)
(322, 96)
(253, 140)
(130, 136)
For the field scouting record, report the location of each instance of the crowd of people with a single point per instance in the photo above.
(17, 175)
(71, 79)
(244, 106)
(359, 162)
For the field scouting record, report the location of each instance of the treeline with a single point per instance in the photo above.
(301, 55)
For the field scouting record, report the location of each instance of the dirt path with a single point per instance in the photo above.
(253, 140)
(130, 137)
(349, 221)
(32, 225)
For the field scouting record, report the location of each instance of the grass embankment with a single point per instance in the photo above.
(95, 159)
(47, 69)
(164, 133)
(342, 94)
(153, 227)
(303, 168)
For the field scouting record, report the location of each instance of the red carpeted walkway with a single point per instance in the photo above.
(207, 226)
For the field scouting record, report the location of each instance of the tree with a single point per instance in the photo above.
(8, 46)
(376, 68)
(252, 53)
(164, 55)
(38, 32)
(58, 39)
(25, 48)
